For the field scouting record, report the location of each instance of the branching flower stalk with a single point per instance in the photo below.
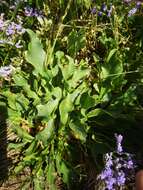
(118, 166)
(60, 29)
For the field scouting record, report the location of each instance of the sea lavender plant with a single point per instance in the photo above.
(118, 165)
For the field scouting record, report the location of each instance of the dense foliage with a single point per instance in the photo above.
(71, 77)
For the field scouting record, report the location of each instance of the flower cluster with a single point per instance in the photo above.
(103, 10)
(137, 7)
(14, 28)
(5, 71)
(10, 31)
(30, 12)
(118, 166)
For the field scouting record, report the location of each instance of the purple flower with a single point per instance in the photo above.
(120, 180)
(2, 23)
(138, 5)
(11, 29)
(14, 28)
(110, 183)
(103, 7)
(119, 139)
(109, 12)
(100, 13)
(108, 158)
(127, 1)
(107, 172)
(93, 11)
(118, 166)
(17, 45)
(28, 11)
(132, 11)
(5, 71)
(19, 29)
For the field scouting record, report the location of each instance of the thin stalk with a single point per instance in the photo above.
(60, 29)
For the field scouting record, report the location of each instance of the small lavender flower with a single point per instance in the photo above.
(103, 7)
(17, 45)
(100, 13)
(19, 29)
(2, 23)
(127, 1)
(11, 29)
(108, 158)
(121, 178)
(14, 28)
(132, 11)
(106, 173)
(109, 12)
(119, 139)
(138, 5)
(93, 11)
(5, 71)
(110, 183)
(28, 11)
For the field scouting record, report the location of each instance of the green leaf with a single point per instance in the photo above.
(35, 54)
(19, 168)
(79, 74)
(99, 111)
(66, 64)
(30, 159)
(57, 93)
(66, 171)
(94, 113)
(16, 146)
(46, 110)
(22, 81)
(87, 101)
(63, 169)
(68, 68)
(31, 149)
(51, 176)
(21, 133)
(65, 107)
(47, 132)
(39, 183)
(76, 41)
(111, 53)
(78, 130)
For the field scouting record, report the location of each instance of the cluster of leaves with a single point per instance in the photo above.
(78, 81)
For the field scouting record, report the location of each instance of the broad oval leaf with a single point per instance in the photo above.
(35, 54)
(65, 107)
(47, 133)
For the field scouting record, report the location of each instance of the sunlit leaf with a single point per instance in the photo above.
(65, 107)
(35, 54)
